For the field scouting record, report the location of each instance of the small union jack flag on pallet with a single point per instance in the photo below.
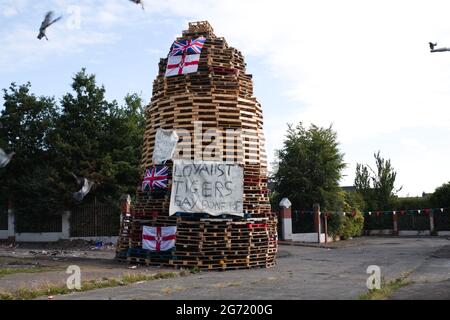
(186, 47)
(156, 178)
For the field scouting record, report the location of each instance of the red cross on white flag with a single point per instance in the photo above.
(184, 64)
(158, 238)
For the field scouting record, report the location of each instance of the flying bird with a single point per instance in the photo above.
(86, 187)
(48, 21)
(434, 49)
(141, 2)
(5, 158)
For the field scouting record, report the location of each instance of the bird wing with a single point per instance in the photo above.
(86, 186)
(55, 20)
(48, 18)
(77, 179)
(5, 158)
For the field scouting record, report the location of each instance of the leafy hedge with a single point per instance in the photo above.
(345, 226)
(411, 203)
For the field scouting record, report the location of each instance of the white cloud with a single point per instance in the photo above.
(10, 9)
(363, 66)
(22, 49)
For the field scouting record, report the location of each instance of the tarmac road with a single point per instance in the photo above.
(309, 273)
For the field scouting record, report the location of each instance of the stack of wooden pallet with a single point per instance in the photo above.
(215, 244)
(211, 244)
(214, 104)
(123, 242)
(219, 98)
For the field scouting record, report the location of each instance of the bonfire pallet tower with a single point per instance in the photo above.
(220, 97)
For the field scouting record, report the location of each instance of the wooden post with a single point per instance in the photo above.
(11, 223)
(395, 220)
(95, 216)
(325, 227)
(125, 207)
(431, 214)
(125, 203)
(316, 209)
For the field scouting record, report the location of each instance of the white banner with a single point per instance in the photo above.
(209, 187)
(165, 145)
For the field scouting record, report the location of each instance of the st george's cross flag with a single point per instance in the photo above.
(159, 238)
(156, 178)
(187, 47)
(185, 64)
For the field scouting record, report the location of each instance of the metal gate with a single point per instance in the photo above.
(3, 218)
(37, 223)
(95, 220)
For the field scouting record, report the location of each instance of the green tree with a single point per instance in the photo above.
(377, 186)
(86, 135)
(26, 122)
(127, 126)
(309, 168)
(441, 196)
(99, 140)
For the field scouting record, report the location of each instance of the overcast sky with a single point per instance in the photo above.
(362, 66)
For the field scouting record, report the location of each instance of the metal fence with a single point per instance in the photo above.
(442, 220)
(96, 220)
(302, 222)
(38, 223)
(378, 221)
(408, 221)
(3, 218)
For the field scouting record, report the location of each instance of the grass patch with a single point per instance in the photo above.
(52, 290)
(195, 270)
(8, 271)
(387, 288)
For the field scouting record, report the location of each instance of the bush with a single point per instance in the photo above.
(441, 196)
(411, 203)
(351, 224)
(335, 225)
(346, 226)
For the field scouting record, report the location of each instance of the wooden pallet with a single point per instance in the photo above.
(220, 95)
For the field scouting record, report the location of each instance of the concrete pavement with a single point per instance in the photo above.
(305, 273)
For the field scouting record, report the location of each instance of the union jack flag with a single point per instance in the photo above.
(190, 46)
(156, 178)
